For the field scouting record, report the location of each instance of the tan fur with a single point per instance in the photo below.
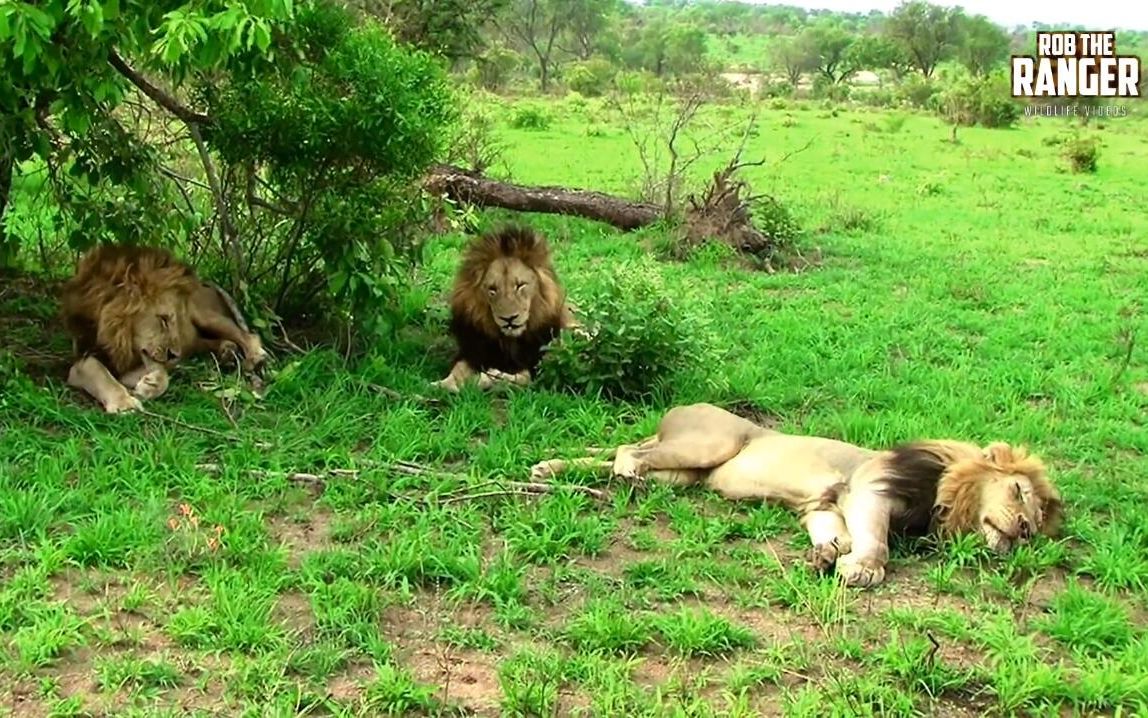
(136, 312)
(506, 296)
(850, 498)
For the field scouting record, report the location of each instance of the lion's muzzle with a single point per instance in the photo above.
(512, 325)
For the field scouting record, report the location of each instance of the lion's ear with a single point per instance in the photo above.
(1001, 454)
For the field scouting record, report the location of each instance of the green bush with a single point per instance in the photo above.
(641, 340)
(985, 101)
(1081, 153)
(529, 117)
(495, 68)
(590, 78)
(778, 89)
(340, 125)
(916, 91)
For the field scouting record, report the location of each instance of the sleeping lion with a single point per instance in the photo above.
(850, 499)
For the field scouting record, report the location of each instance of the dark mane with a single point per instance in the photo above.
(913, 473)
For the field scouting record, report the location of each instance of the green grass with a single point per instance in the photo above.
(974, 290)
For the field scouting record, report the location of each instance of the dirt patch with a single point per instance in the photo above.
(465, 677)
(299, 538)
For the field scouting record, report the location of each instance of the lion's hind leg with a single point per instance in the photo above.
(681, 459)
(90, 375)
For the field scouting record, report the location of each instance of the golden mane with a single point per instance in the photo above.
(114, 284)
(959, 491)
(468, 297)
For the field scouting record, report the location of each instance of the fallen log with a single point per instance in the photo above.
(469, 187)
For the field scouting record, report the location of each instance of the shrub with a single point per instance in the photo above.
(495, 68)
(983, 101)
(342, 123)
(833, 91)
(1081, 153)
(777, 89)
(916, 90)
(529, 118)
(590, 78)
(641, 340)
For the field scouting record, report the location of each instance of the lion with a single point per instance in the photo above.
(506, 305)
(135, 312)
(850, 498)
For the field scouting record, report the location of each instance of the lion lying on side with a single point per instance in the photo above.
(506, 305)
(134, 313)
(849, 498)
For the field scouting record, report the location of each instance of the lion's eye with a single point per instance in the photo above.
(492, 291)
(1018, 490)
(518, 287)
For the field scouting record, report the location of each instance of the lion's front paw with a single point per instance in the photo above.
(860, 573)
(151, 385)
(822, 556)
(627, 467)
(254, 356)
(447, 384)
(121, 403)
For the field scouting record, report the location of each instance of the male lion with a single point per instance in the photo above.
(506, 306)
(849, 498)
(134, 312)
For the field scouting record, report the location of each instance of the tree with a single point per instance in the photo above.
(792, 57)
(983, 46)
(536, 25)
(589, 21)
(452, 29)
(927, 33)
(286, 135)
(829, 48)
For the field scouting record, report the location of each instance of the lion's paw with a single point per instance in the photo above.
(447, 384)
(822, 556)
(122, 403)
(255, 356)
(151, 385)
(860, 573)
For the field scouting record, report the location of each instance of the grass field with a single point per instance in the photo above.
(971, 290)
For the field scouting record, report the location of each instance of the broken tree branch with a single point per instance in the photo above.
(161, 98)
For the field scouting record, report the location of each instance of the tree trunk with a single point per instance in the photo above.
(469, 187)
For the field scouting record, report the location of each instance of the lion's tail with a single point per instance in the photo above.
(912, 472)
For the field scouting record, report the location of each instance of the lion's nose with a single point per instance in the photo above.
(172, 354)
(1025, 528)
(509, 321)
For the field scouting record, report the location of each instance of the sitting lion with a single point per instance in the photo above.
(134, 313)
(849, 498)
(506, 306)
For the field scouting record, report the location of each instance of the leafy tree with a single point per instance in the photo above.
(452, 29)
(984, 45)
(307, 127)
(536, 26)
(588, 27)
(927, 33)
(793, 57)
(830, 49)
(666, 46)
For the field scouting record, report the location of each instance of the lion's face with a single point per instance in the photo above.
(158, 329)
(510, 286)
(1012, 511)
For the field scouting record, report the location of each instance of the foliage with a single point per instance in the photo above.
(984, 45)
(927, 33)
(530, 117)
(984, 101)
(453, 29)
(494, 68)
(641, 341)
(1081, 153)
(591, 78)
(339, 137)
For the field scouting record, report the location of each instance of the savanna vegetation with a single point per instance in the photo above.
(914, 255)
